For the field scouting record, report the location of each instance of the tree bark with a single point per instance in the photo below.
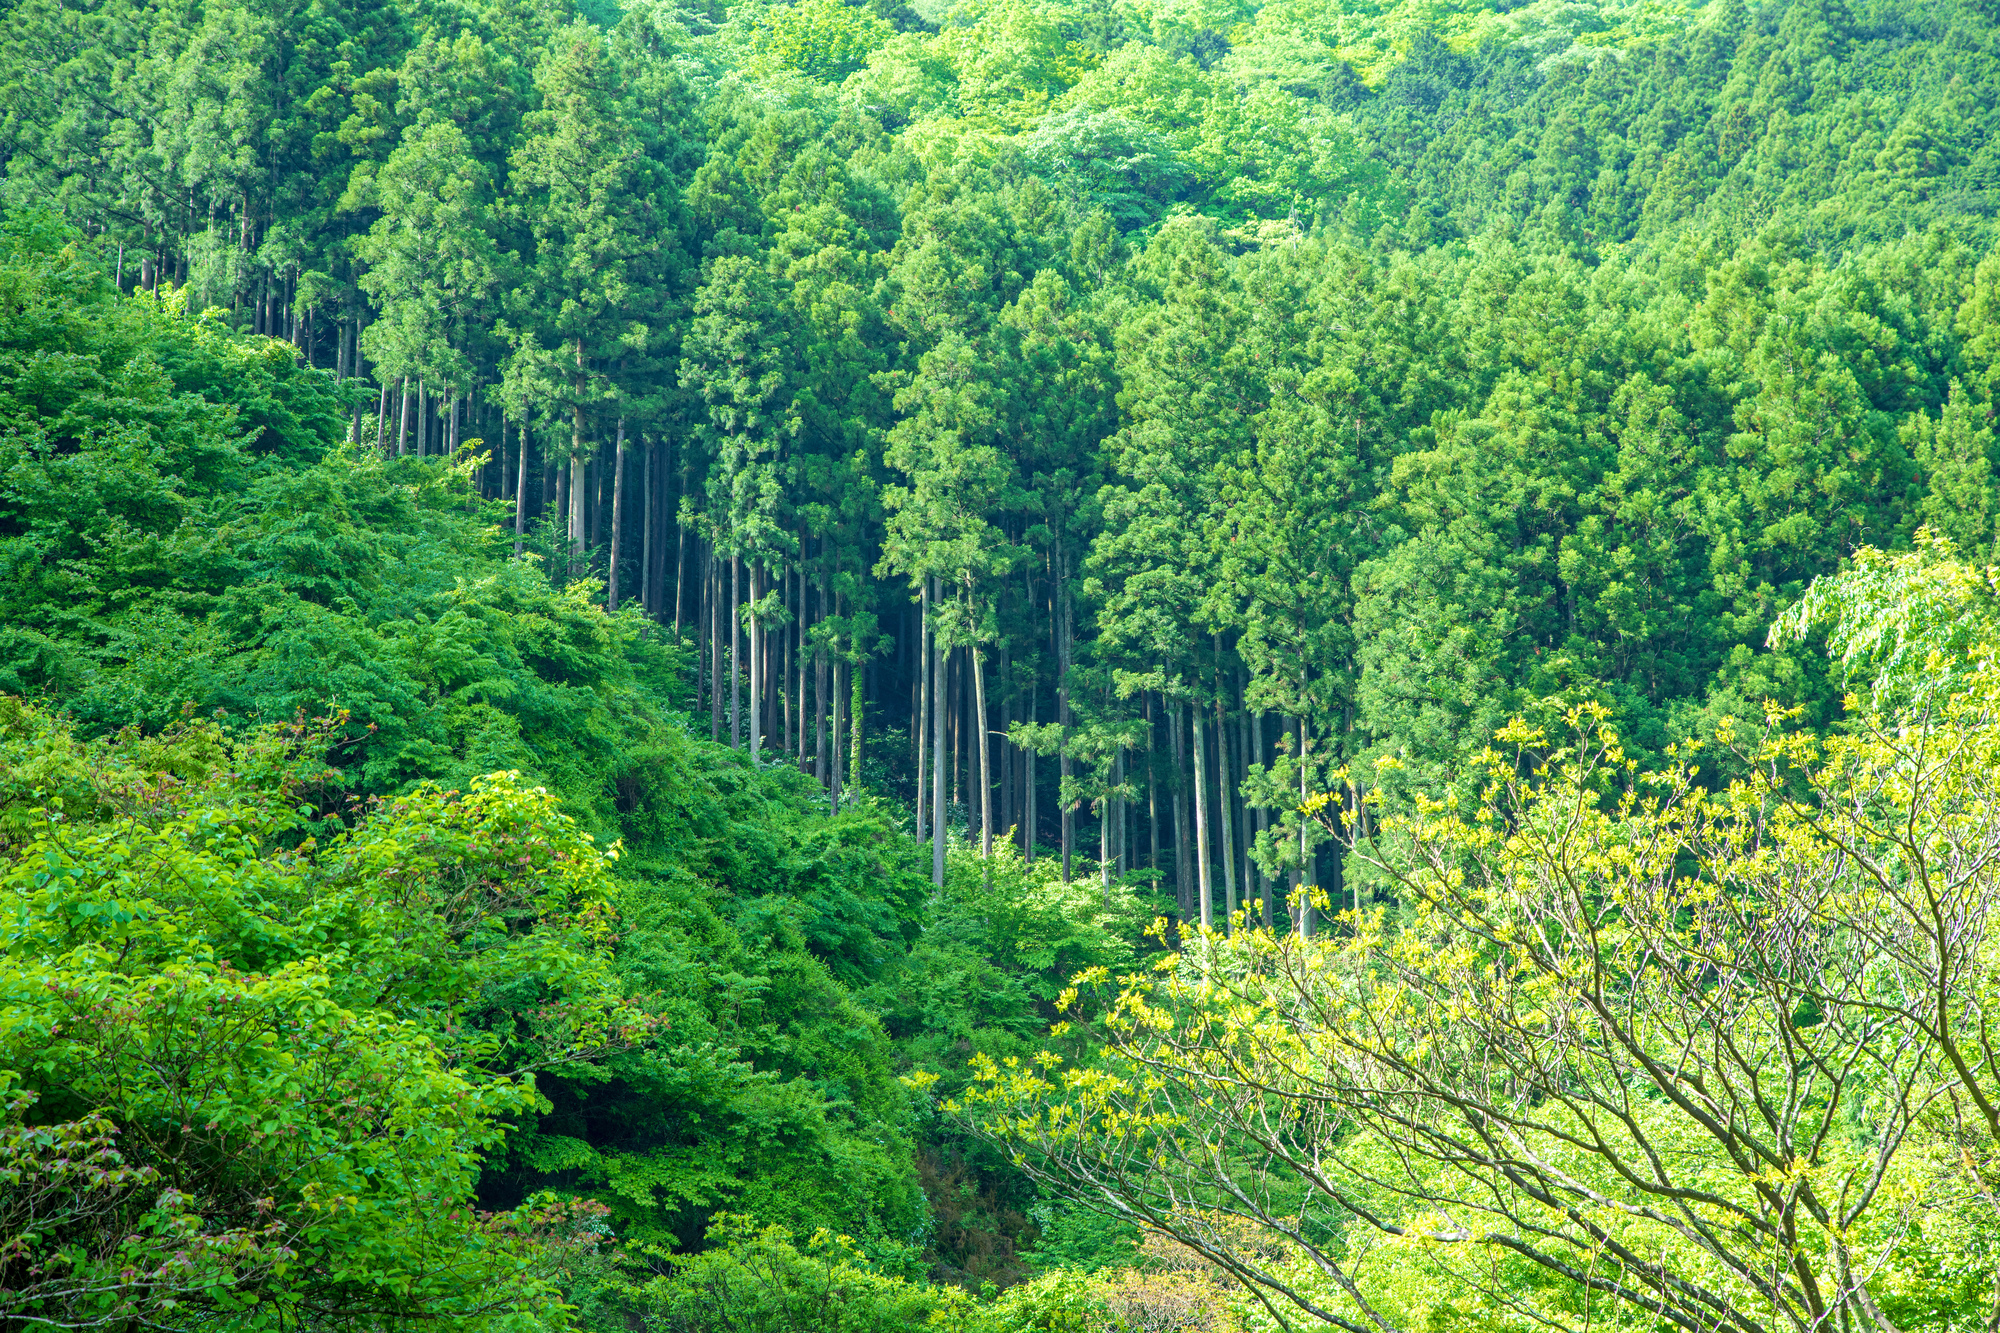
(921, 723)
(857, 713)
(1265, 884)
(680, 572)
(617, 520)
(1067, 806)
(1152, 787)
(1028, 781)
(1225, 772)
(1183, 863)
(822, 692)
(985, 752)
(756, 666)
(1307, 877)
(735, 652)
(520, 490)
(382, 417)
(403, 430)
(714, 596)
(937, 665)
(1201, 815)
(649, 587)
(839, 694)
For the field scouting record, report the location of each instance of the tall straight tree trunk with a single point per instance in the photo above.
(1296, 875)
(756, 665)
(822, 691)
(735, 652)
(799, 647)
(560, 512)
(857, 719)
(521, 493)
(786, 657)
(1201, 815)
(382, 417)
(680, 571)
(579, 504)
(985, 752)
(1062, 713)
(713, 595)
(839, 696)
(649, 588)
(1225, 768)
(922, 723)
(937, 762)
(403, 430)
(1152, 788)
(1306, 856)
(1111, 827)
(1265, 885)
(1028, 781)
(1124, 809)
(1005, 745)
(617, 520)
(1183, 863)
(423, 419)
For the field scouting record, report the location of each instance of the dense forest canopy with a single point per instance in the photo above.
(651, 583)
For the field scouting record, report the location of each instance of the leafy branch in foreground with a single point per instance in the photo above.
(1715, 1059)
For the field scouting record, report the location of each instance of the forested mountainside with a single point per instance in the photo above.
(601, 607)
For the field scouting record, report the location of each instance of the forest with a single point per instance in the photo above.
(1102, 666)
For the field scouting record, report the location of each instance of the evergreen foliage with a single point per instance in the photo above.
(912, 503)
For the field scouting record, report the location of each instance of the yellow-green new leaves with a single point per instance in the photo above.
(1713, 1056)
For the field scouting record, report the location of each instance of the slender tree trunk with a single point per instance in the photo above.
(1225, 809)
(822, 692)
(1004, 744)
(921, 727)
(756, 667)
(1028, 812)
(857, 716)
(1063, 715)
(382, 416)
(649, 587)
(1111, 827)
(521, 491)
(1265, 884)
(735, 652)
(1307, 858)
(1201, 815)
(957, 695)
(787, 658)
(714, 594)
(1183, 863)
(937, 666)
(985, 751)
(1152, 788)
(680, 569)
(617, 520)
(1124, 815)
(799, 648)
(403, 430)
(839, 696)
